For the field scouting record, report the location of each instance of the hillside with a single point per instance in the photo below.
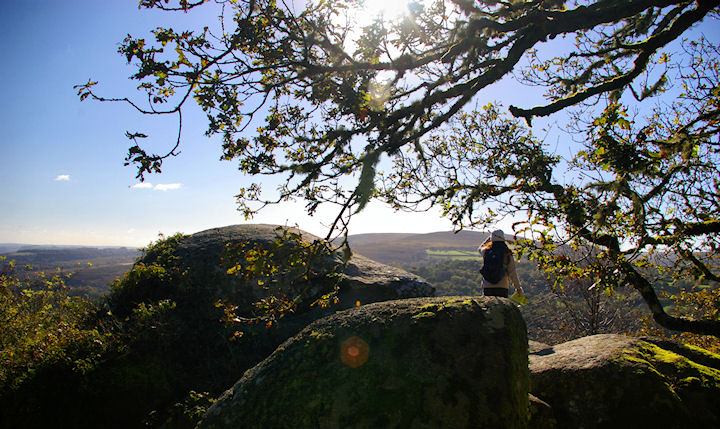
(92, 269)
(10, 247)
(45, 258)
(162, 334)
(405, 250)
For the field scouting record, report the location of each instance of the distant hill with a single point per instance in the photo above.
(50, 258)
(10, 247)
(95, 281)
(405, 250)
(92, 268)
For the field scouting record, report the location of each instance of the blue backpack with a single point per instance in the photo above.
(493, 269)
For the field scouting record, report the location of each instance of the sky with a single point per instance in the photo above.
(62, 178)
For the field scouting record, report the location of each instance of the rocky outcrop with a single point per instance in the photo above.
(185, 309)
(423, 363)
(364, 280)
(611, 381)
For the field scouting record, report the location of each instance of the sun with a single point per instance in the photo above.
(365, 12)
(387, 9)
(356, 15)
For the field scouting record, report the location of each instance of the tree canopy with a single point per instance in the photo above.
(347, 111)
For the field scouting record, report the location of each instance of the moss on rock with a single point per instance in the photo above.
(616, 381)
(455, 369)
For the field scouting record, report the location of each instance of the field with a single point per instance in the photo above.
(452, 254)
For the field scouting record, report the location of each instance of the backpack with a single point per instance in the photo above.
(493, 269)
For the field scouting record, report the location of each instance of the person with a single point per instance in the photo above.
(501, 288)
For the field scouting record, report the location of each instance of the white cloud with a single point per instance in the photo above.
(142, 185)
(62, 178)
(158, 187)
(167, 186)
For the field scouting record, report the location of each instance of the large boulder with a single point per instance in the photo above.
(194, 273)
(180, 305)
(206, 254)
(416, 363)
(610, 381)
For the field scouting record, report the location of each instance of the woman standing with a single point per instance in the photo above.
(498, 265)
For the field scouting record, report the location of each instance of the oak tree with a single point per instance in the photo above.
(346, 111)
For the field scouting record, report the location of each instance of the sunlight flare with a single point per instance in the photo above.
(387, 9)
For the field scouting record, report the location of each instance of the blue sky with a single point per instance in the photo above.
(61, 161)
(62, 178)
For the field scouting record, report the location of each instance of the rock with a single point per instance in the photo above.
(205, 257)
(608, 381)
(364, 280)
(538, 348)
(368, 281)
(185, 311)
(416, 363)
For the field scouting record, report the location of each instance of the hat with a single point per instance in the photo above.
(498, 235)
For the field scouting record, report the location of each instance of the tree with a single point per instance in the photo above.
(339, 97)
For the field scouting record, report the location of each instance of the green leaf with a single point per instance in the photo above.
(623, 123)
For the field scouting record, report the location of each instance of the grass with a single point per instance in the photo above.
(457, 255)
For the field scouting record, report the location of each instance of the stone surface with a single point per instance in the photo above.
(416, 363)
(188, 310)
(611, 381)
(364, 280)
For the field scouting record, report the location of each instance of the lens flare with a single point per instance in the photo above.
(354, 352)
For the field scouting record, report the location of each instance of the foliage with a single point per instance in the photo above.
(161, 277)
(201, 319)
(462, 277)
(42, 327)
(71, 257)
(579, 309)
(87, 271)
(293, 273)
(182, 415)
(553, 314)
(339, 96)
(451, 278)
(164, 311)
(635, 197)
(699, 302)
(67, 362)
(52, 347)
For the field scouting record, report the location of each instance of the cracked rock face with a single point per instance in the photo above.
(450, 362)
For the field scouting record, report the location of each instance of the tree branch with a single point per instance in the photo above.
(648, 48)
(683, 324)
